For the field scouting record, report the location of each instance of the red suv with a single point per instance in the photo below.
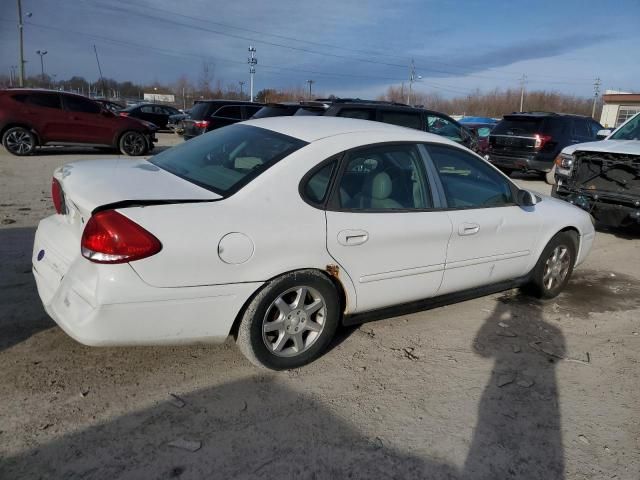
(32, 118)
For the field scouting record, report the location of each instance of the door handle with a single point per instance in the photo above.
(350, 238)
(468, 229)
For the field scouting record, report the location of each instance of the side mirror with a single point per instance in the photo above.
(602, 134)
(526, 199)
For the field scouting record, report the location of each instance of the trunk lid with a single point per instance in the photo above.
(90, 184)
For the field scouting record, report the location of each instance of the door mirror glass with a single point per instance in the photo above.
(526, 198)
(602, 134)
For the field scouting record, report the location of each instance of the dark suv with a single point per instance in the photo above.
(32, 118)
(386, 112)
(207, 115)
(530, 141)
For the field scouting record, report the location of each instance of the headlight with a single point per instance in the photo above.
(564, 160)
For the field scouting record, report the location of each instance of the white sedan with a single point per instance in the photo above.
(276, 230)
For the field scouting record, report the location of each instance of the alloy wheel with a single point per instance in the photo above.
(294, 321)
(556, 267)
(133, 143)
(19, 142)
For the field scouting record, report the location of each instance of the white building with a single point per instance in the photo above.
(618, 107)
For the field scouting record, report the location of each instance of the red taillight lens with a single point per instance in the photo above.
(123, 114)
(541, 140)
(110, 237)
(57, 196)
(201, 123)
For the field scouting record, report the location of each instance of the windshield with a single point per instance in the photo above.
(228, 158)
(628, 131)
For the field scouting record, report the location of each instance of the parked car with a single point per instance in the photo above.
(151, 112)
(176, 122)
(530, 141)
(381, 111)
(109, 105)
(276, 230)
(207, 115)
(31, 118)
(604, 177)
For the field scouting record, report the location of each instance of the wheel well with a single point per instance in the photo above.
(342, 296)
(23, 125)
(575, 234)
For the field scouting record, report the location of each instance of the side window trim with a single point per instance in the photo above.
(435, 184)
(332, 202)
(337, 158)
(440, 187)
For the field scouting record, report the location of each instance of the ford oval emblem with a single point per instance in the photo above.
(40, 255)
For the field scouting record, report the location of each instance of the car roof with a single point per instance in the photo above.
(310, 129)
(229, 102)
(543, 114)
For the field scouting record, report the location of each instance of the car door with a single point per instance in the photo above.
(89, 123)
(383, 228)
(43, 110)
(492, 237)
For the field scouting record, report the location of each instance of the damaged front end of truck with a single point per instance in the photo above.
(605, 184)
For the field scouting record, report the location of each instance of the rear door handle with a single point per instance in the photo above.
(468, 229)
(350, 238)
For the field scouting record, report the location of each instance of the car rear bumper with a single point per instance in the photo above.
(523, 162)
(103, 305)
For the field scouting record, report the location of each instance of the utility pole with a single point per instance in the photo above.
(241, 83)
(412, 78)
(12, 75)
(310, 82)
(184, 100)
(42, 53)
(21, 43)
(252, 61)
(596, 91)
(523, 81)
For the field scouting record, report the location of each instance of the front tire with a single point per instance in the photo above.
(19, 141)
(290, 322)
(555, 266)
(133, 144)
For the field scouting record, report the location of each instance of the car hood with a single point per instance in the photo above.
(628, 147)
(91, 184)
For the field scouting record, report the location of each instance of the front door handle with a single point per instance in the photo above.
(350, 238)
(468, 229)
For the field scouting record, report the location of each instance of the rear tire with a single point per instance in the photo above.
(133, 144)
(19, 141)
(555, 266)
(290, 322)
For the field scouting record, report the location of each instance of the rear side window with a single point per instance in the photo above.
(78, 104)
(317, 186)
(468, 182)
(228, 158)
(146, 109)
(581, 127)
(47, 100)
(199, 111)
(403, 119)
(360, 113)
(234, 112)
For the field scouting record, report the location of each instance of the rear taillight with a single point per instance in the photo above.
(541, 140)
(110, 237)
(123, 114)
(201, 123)
(57, 196)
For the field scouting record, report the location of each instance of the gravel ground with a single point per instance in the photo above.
(497, 387)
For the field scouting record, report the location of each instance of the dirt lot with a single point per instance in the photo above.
(493, 388)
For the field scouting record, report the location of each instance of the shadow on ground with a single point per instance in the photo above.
(21, 313)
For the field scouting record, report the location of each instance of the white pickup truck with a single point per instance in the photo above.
(603, 177)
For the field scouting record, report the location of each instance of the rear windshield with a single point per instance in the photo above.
(519, 126)
(228, 158)
(200, 111)
(279, 111)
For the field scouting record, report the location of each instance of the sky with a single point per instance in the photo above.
(347, 47)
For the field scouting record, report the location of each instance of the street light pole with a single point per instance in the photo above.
(310, 82)
(241, 86)
(42, 53)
